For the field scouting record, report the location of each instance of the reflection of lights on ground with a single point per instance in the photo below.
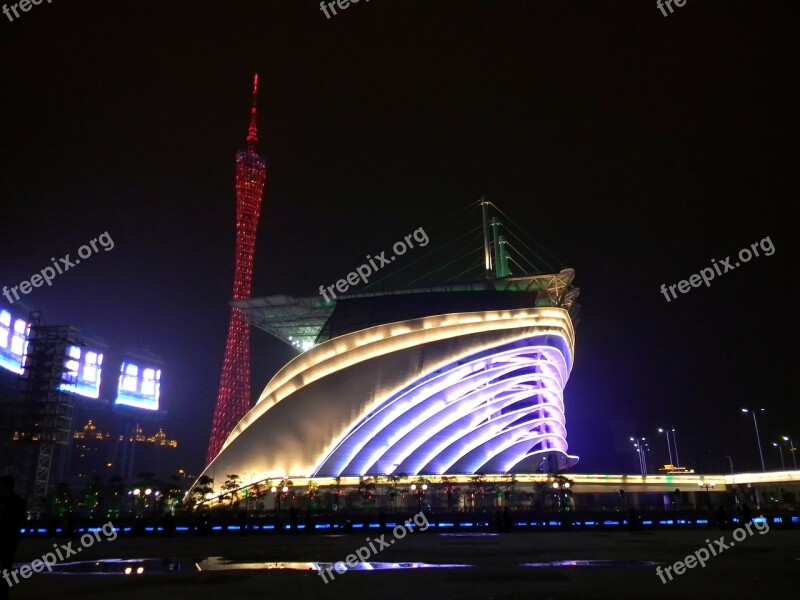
(137, 566)
(593, 563)
(381, 566)
(113, 566)
(219, 563)
(129, 570)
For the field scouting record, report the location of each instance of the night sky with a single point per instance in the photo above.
(635, 148)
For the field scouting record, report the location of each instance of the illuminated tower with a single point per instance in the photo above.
(233, 399)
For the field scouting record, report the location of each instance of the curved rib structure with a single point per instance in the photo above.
(463, 418)
(465, 393)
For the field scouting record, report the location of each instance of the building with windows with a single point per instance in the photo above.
(54, 378)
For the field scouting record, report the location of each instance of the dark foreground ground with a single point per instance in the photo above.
(760, 566)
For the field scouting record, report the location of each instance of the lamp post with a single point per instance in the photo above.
(419, 490)
(276, 495)
(675, 445)
(138, 501)
(792, 449)
(641, 445)
(730, 461)
(638, 455)
(279, 493)
(758, 437)
(733, 489)
(669, 449)
(562, 489)
(778, 446)
(707, 487)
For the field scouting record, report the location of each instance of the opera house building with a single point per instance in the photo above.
(459, 380)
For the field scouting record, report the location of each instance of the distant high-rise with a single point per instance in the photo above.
(233, 399)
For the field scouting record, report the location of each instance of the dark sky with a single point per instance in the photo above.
(634, 147)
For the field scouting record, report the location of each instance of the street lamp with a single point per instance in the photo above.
(139, 500)
(561, 489)
(641, 445)
(730, 460)
(778, 446)
(758, 437)
(707, 486)
(792, 449)
(638, 456)
(420, 492)
(675, 445)
(279, 493)
(669, 449)
(277, 496)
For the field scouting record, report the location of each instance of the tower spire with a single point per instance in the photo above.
(252, 131)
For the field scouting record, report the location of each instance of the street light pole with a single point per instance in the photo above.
(707, 486)
(730, 460)
(642, 462)
(420, 492)
(778, 446)
(640, 444)
(758, 437)
(675, 439)
(792, 449)
(644, 456)
(669, 449)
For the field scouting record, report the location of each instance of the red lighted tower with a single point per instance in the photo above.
(233, 399)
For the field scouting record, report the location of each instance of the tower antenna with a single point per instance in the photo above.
(252, 131)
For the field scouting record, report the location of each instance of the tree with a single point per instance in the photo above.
(115, 494)
(174, 492)
(232, 485)
(62, 502)
(449, 489)
(510, 490)
(366, 489)
(478, 485)
(313, 492)
(393, 479)
(92, 498)
(255, 491)
(203, 487)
